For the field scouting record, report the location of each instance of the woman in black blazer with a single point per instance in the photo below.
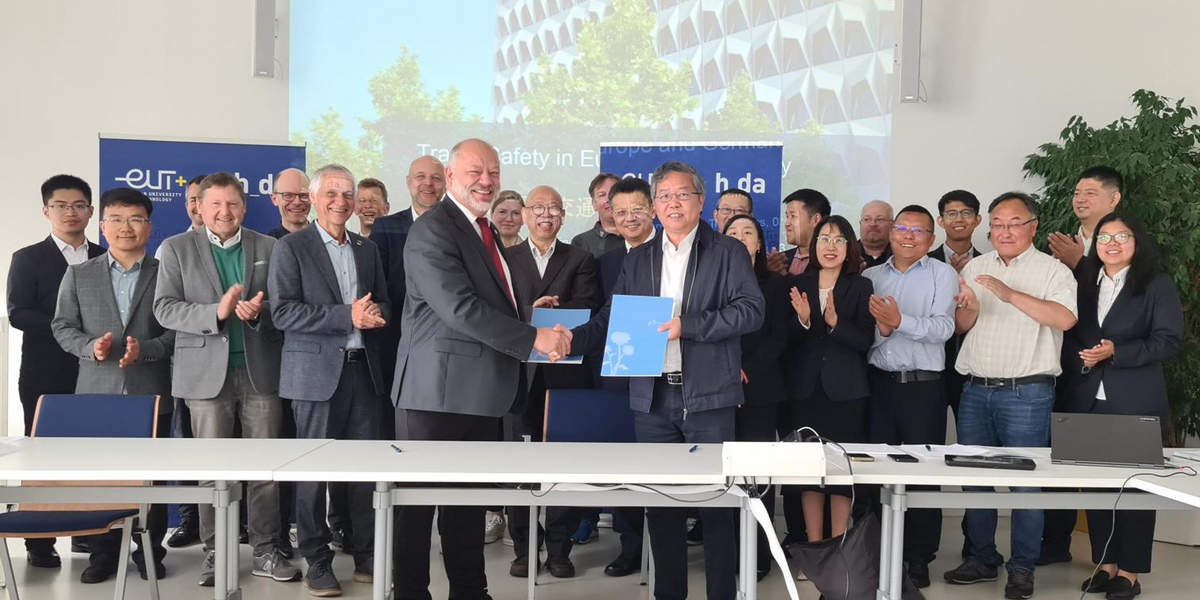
(1130, 321)
(831, 331)
(762, 375)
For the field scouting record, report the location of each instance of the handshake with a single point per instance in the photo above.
(553, 342)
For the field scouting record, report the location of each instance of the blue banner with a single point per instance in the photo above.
(756, 167)
(161, 170)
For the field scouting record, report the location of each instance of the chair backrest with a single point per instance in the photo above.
(92, 415)
(588, 416)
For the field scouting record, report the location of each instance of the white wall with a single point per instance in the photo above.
(1003, 76)
(74, 69)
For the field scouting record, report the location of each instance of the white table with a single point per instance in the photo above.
(895, 477)
(548, 468)
(1181, 489)
(225, 461)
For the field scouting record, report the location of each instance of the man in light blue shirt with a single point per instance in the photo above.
(913, 308)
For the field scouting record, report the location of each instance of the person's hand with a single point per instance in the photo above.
(965, 298)
(777, 263)
(132, 349)
(745, 379)
(229, 301)
(1066, 248)
(553, 342)
(831, 317)
(1097, 354)
(886, 312)
(997, 287)
(546, 302)
(800, 305)
(247, 310)
(101, 347)
(958, 261)
(365, 315)
(674, 328)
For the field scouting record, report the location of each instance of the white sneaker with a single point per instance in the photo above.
(494, 527)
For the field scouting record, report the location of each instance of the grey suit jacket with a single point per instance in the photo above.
(308, 308)
(87, 309)
(189, 290)
(463, 340)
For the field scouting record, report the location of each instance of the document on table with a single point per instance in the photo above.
(1188, 454)
(869, 449)
(924, 451)
(567, 317)
(634, 347)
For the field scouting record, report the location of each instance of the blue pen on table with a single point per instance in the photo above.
(928, 448)
(693, 448)
(397, 449)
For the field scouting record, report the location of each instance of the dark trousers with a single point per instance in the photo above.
(352, 413)
(629, 523)
(460, 527)
(758, 423)
(106, 547)
(287, 489)
(911, 413)
(1057, 526)
(668, 526)
(181, 427)
(1132, 538)
(30, 389)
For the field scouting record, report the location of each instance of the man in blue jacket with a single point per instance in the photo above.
(717, 300)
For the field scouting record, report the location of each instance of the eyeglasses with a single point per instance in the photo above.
(636, 213)
(1122, 238)
(916, 231)
(838, 241)
(121, 221)
(540, 210)
(680, 196)
(729, 212)
(965, 213)
(73, 207)
(290, 196)
(1007, 227)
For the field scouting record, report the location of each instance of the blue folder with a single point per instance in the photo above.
(634, 347)
(567, 317)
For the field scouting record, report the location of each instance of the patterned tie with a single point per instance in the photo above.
(489, 242)
(799, 263)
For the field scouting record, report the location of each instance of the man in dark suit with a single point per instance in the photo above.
(33, 281)
(874, 225)
(802, 210)
(105, 316)
(548, 274)
(458, 367)
(328, 296)
(716, 301)
(290, 195)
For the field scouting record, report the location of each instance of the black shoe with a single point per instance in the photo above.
(971, 571)
(160, 571)
(1097, 584)
(918, 571)
(695, 535)
(623, 565)
(1052, 558)
(243, 535)
(763, 572)
(320, 580)
(80, 546)
(560, 567)
(336, 539)
(1122, 589)
(519, 567)
(1020, 584)
(187, 534)
(44, 559)
(97, 574)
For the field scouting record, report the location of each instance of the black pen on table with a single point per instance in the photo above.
(397, 449)
(693, 448)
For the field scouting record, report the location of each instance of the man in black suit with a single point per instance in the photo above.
(874, 227)
(458, 366)
(290, 195)
(803, 209)
(33, 281)
(548, 274)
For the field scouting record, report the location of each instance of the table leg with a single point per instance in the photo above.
(232, 522)
(897, 570)
(388, 574)
(534, 556)
(382, 504)
(750, 551)
(885, 544)
(221, 544)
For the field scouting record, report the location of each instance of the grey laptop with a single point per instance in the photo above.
(1106, 440)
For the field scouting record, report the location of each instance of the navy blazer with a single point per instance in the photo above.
(763, 349)
(389, 234)
(1145, 330)
(836, 357)
(721, 303)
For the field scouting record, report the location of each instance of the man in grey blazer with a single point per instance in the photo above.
(212, 292)
(105, 317)
(329, 297)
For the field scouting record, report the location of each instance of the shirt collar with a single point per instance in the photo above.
(685, 245)
(891, 262)
(1083, 237)
(537, 254)
(62, 246)
(112, 263)
(950, 253)
(328, 239)
(227, 244)
(649, 238)
(1118, 280)
(599, 229)
(1019, 258)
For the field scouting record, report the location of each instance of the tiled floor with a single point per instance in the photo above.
(1175, 576)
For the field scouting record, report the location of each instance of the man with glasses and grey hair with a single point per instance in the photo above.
(716, 300)
(1014, 305)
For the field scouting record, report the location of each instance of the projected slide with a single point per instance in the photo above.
(377, 83)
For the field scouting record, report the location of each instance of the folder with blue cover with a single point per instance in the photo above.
(567, 317)
(634, 347)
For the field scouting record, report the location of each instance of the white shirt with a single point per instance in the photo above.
(73, 255)
(674, 276)
(227, 244)
(1109, 290)
(471, 217)
(629, 247)
(542, 260)
(951, 254)
(1085, 240)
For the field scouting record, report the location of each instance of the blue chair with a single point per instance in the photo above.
(96, 416)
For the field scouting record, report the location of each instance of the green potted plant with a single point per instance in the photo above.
(1156, 152)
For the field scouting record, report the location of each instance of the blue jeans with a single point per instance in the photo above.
(1010, 417)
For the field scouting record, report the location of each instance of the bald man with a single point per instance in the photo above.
(290, 196)
(874, 230)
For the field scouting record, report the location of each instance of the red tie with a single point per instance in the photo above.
(489, 242)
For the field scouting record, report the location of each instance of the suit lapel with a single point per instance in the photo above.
(249, 254)
(55, 256)
(145, 278)
(460, 220)
(362, 265)
(97, 274)
(207, 262)
(319, 254)
(557, 261)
